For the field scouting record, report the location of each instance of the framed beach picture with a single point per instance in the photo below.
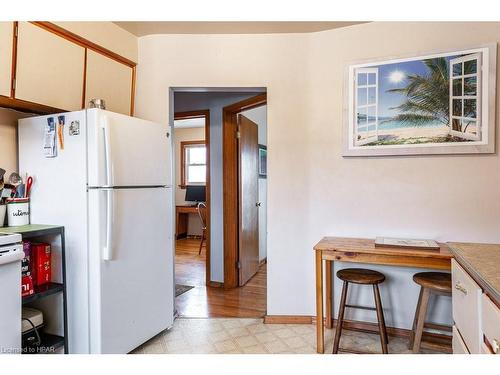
(262, 161)
(436, 103)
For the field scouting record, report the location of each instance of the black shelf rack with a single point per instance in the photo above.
(49, 342)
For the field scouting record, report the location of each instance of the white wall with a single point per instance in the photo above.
(441, 197)
(259, 116)
(214, 102)
(8, 139)
(312, 190)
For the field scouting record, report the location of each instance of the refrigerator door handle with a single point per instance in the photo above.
(108, 249)
(107, 151)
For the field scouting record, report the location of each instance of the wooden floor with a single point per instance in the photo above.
(248, 301)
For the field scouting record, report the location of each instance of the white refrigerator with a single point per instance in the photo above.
(109, 184)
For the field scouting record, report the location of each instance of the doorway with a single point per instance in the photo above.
(192, 199)
(244, 164)
(211, 295)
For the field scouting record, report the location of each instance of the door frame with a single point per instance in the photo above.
(203, 113)
(230, 201)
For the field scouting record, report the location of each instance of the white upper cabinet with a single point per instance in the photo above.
(109, 80)
(6, 40)
(49, 68)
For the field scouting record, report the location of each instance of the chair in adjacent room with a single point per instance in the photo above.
(202, 213)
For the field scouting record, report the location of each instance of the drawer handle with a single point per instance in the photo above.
(459, 287)
(495, 346)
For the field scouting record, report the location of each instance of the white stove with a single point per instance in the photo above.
(11, 254)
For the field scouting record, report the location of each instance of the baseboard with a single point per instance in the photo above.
(216, 284)
(287, 319)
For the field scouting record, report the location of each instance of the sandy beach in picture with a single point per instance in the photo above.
(413, 134)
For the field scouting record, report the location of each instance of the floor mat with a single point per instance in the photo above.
(180, 289)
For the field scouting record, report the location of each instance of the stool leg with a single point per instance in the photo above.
(340, 318)
(414, 326)
(381, 320)
(422, 311)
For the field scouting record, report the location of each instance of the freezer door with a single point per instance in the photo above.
(131, 267)
(126, 151)
(10, 297)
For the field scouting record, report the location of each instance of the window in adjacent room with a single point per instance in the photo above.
(193, 163)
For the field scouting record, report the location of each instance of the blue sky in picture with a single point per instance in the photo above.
(394, 76)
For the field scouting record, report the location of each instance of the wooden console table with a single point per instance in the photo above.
(182, 218)
(357, 250)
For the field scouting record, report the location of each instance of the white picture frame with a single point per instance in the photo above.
(362, 135)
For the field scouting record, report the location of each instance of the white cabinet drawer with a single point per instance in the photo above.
(458, 344)
(491, 324)
(466, 297)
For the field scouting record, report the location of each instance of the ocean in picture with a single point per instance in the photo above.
(388, 123)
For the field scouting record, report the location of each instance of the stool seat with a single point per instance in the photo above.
(439, 281)
(361, 276)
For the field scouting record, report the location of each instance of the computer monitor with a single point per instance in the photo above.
(195, 193)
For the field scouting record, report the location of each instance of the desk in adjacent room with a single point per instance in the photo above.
(182, 217)
(357, 250)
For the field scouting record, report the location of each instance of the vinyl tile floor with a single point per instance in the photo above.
(252, 336)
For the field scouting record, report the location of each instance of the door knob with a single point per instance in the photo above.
(258, 204)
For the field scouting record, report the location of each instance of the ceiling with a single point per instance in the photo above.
(141, 28)
(198, 122)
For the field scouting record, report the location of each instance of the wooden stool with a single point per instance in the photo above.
(430, 283)
(364, 277)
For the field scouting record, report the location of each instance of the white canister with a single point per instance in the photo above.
(3, 209)
(18, 211)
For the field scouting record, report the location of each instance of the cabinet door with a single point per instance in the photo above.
(466, 299)
(109, 80)
(458, 344)
(6, 40)
(491, 324)
(49, 68)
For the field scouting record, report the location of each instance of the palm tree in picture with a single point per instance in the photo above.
(427, 96)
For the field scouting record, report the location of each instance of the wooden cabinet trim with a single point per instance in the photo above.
(26, 106)
(14, 60)
(132, 94)
(84, 89)
(49, 26)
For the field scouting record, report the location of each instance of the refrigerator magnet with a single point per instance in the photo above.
(60, 131)
(49, 139)
(74, 128)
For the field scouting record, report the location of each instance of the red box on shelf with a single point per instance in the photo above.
(27, 286)
(40, 263)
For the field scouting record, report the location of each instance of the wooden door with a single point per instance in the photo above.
(248, 155)
(109, 80)
(49, 68)
(6, 39)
